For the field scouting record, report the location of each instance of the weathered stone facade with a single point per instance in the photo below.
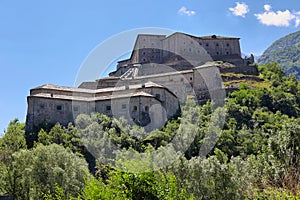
(181, 51)
(139, 104)
(147, 88)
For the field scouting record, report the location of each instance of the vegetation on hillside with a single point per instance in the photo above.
(256, 154)
(286, 52)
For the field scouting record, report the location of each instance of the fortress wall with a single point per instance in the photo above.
(106, 83)
(53, 92)
(42, 110)
(153, 68)
(196, 50)
(173, 82)
(249, 70)
(123, 62)
(186, 47)
(198, 82)
(135, 109)
(153, 118)
(216, 47)
(149, 48)
(88, 85)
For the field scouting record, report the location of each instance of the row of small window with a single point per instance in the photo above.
(181, 79)
(108, 108)
(124, 106)
(58, 107)
(217, 44)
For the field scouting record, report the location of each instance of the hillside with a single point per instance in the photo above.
(286, 52)
(253, 155)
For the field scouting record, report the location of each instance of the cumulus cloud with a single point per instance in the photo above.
(267, 7)
(184, 11)
(278, 18)
(241, 9)
(297, 19)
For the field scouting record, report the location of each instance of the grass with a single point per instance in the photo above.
(251, 83)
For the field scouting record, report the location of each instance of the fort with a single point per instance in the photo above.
(148, 88)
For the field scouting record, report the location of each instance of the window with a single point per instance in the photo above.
(227, 52)
(227, 44)
(124, 106)
(157, 96)
(207, 44)
(217, 53)
(59, 107)
(191, 78)
(134, 108)
(147, 108)
(108, 108)
(144, 53)
(76, 108)
(217, 44)
(144, 60)
(200, 43)
(42, 106)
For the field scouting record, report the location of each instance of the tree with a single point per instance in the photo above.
(38, 172)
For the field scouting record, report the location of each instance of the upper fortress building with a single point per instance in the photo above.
(147, 88)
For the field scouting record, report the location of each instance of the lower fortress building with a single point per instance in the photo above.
(148, 88)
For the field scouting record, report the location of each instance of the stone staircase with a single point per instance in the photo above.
(130, 73)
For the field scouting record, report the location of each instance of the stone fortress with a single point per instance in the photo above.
(148, 88)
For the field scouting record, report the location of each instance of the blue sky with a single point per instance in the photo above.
(47, 41)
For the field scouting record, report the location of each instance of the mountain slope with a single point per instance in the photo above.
(286, 52)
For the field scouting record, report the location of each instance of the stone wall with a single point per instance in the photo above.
(250, 70)
(195, 50)
(139, 105)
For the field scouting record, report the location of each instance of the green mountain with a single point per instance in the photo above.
(286, 52)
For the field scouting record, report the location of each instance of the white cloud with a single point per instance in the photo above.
(278, 18)
(184, 11)
(241, 9)
(267, 7)
(297, 19)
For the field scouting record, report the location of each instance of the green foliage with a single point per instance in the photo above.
(276, 194)
(128, 185)
(10, 143)
(286, 52)
(211, 179)
(40, 171)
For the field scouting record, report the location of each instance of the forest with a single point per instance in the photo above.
(285, 52)
(249, 148)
